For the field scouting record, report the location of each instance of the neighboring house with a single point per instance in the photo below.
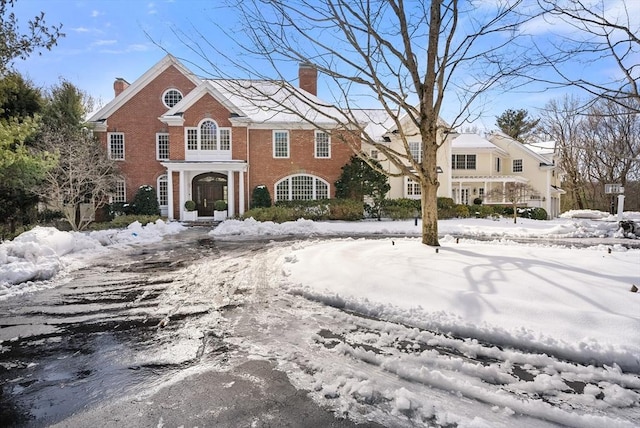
(208, 140)
(479, 165)
(470, 166)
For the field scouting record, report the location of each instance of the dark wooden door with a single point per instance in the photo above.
(208, 188)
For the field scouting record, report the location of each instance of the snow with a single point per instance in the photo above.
(561, 314)
(36, 256)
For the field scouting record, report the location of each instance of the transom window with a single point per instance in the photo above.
(208, 136)
(116, 145)
(301, 187)
(322, 145)
(162, 146)
(415, 148)
(280, 144)
(517, 165)
(463, 161)
(171, 97)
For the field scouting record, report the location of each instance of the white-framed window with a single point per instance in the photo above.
(208, 136)
(322, 145)
(374, 154)
(120, 192)
(301, 187)
(162, 189)
(517, 165)
(415, 148)
(280, 144)
(162, 146)
(225, 139)
(498, 164)
(481, 192)
(116, 145)
(413, 188)
(171, 97)
(463, 161)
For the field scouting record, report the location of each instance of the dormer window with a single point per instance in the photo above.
(171, 97)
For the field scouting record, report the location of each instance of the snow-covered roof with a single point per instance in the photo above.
(262, 101)
(472, 141)
(378, 122)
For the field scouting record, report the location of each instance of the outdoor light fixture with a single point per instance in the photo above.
(439, 170)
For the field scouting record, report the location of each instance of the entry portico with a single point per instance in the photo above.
(183, 178)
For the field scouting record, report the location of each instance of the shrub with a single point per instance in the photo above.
(145, 202)
(462, 211)
(533, 213)
(326, 209)
(402, 208)
(445, 203)
(346, 209)
(477, 201)
(486, 211)
(190, 206)
(260, 197)
(220, 205)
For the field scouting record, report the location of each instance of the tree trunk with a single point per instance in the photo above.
(430, 215)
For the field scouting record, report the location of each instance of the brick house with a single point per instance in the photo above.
(209, 140)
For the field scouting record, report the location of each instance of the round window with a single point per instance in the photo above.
(171, 97)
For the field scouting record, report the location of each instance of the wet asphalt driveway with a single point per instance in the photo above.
(74, 347)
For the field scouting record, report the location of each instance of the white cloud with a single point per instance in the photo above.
(95, 13)
(104, 42)
(80, 30)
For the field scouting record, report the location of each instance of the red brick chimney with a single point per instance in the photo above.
(308, 78)
(120, 85)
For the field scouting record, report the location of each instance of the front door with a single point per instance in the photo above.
(208, 188)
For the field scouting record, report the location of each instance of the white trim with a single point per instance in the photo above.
(164, 94)
(158, 134)
(273, 143)
(315, 144)
(141, 83)
(109, 135)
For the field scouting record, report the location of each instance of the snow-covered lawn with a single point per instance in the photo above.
(477, 333)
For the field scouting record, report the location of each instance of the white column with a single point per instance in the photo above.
(231, 203)
(170, 194)
(181, 193)
(241, 192)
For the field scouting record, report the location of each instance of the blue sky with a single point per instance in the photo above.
(106, 39)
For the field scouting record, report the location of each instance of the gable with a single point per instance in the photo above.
(166, 73)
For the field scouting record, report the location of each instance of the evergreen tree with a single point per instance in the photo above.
(260, 197)
(517, 124)
(359, 181)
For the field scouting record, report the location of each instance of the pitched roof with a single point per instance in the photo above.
(139, 84)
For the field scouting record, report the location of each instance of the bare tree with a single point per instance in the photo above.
(83, 175)
(599, 31)
(408, 58)
(562, 123)
(515, 194)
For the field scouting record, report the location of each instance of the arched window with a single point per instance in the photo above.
(301, 187)
(208, 135)
(171, 97)
(163, 190)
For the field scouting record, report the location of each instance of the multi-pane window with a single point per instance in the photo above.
(208, 136)
(116, 145)
(463, 161)
(120, 192)
(374, 154)
(517, 165)
(225, 139)
(481, 192)
(171, 97)
(192, 139)
(413, 188)
(280, 144)
(498, 164)
(415, 148)
(322, 145)
(301, 187)
(162, 146)
(163, 190)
